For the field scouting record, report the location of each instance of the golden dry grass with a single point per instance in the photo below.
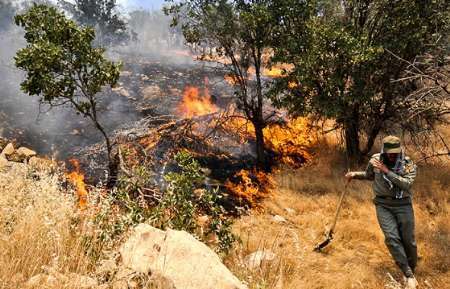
(357, 257)
(37, 229)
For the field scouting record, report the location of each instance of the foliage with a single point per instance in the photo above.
(183, 202)
(178, 207)
(61, 64)
(237, 35)
(347, 60)
(103, 16)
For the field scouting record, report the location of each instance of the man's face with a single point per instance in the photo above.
(392, 157)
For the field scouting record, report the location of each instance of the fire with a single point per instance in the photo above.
(250, 186)
(77, 178)
(195, 104)
(289, 141)
(230, 79)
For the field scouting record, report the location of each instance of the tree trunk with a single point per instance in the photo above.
(113, 165)
(351, 131)
(260, 147)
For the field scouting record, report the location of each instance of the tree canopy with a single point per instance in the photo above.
(349, 59)
(61, 64)
(104, 16)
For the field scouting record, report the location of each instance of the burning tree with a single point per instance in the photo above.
(62, 66)
(237, 35)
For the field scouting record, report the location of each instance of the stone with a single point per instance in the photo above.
(8, 150)
(279, 219)
(3, 162)
(42, 281)
(179, 258)
(24, 153)
(290, 211)
(256, 259)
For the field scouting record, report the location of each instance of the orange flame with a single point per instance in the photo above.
(77, 178)
(194, 104)
(250, 186)
(290, 141)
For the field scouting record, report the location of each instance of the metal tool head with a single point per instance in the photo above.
(325, 243)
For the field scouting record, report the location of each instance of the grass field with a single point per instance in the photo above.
(39, 230)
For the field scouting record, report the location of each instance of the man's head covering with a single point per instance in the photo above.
(391, 145)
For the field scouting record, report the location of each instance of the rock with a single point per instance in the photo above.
(43, 281)
(3, 162)
(279, 219)
(122, 91)
(178, 257)
(8, 150)
(290, 211)
(256, 259)
(25, 153)
(81, 282)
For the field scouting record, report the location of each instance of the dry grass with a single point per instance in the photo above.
(38, 233)
(357, 257)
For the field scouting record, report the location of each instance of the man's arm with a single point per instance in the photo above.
(368, 174)
(404, 182)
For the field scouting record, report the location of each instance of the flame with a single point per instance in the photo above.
(292, 84)
(230, 79)
(194, 104)
(290, 140)
(77, 178)
(250, 186)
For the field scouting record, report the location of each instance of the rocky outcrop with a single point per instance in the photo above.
(178, 258)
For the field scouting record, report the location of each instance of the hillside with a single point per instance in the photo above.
(43, 231)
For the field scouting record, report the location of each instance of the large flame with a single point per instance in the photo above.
(77, 178)
(196, 104)
(290, 140)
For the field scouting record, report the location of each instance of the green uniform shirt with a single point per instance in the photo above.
(401, 183)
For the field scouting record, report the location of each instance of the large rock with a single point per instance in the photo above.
(178, 257)
(8, 150)
(3, 162)
(25, 152)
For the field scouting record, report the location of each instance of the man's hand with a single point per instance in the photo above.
(349, 177)
(379, 165)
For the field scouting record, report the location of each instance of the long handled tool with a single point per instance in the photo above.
(329, 235)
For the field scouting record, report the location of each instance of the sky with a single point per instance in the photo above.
(146, 4)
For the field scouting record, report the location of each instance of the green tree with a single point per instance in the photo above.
(103, 15)
(242, 32)
(62, 66)
(349, 59)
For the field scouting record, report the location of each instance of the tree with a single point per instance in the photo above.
(103, 16)
(349, 59)
(62, 66)
(239, 35)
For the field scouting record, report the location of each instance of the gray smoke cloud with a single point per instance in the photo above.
(60, 131)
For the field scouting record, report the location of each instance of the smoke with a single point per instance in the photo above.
(60, 131)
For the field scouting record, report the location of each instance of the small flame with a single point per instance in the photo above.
(77, 178)
(194, 104)
(231, 79)
(250, 185)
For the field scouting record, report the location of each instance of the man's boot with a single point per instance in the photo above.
(411, 283)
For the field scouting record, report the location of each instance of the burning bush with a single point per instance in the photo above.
(250, 186)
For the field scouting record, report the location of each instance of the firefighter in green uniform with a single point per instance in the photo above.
(393, 174)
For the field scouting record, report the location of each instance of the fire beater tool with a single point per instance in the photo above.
(329, 234)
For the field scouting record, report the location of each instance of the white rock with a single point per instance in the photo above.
(256, 259)
(176, 256)
(279, 219)
(25, 152)
(3, 162)
(290, 211)
(8, 150)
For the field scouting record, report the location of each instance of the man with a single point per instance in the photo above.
(393, 174)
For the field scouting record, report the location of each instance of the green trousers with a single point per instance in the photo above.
(397, 224)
